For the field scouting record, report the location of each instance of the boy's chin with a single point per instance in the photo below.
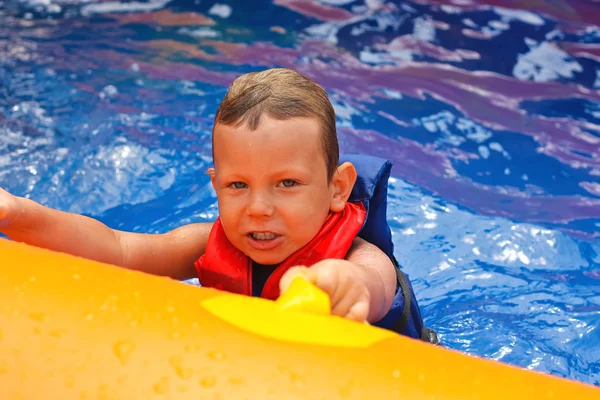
(270, 259)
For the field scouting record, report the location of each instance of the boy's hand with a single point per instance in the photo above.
(8, 205)
(342, 281)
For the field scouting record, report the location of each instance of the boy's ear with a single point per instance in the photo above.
(342, 183)
(211, 172)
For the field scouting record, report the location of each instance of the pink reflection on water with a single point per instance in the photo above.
(313, 8)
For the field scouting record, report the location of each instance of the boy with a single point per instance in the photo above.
(283, 206)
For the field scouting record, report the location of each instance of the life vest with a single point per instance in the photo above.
(365, 215)
(224, 267)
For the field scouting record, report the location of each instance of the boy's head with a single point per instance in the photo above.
(281, 94)
(276, 159)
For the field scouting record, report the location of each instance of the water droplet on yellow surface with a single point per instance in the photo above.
(208, 381)
(162, 386)
(69, 382)
(191, 348)
(181, 370)
(296, 380)
(234, 380)
(182, 389)
(37, 316)
(216, 355)
(58, 333)
(123, 350)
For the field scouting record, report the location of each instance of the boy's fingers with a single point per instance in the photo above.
(349, 298)
(359, 311)
(326, 280)
(288, 277)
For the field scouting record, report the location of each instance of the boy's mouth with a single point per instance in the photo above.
(263, 240)
(263, 235)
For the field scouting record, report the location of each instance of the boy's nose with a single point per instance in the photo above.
(259, 206)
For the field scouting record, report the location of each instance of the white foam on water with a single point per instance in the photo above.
(118, 7)
(545, 62)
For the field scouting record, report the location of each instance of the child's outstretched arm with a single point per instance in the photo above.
(361, 287)
(170, 254)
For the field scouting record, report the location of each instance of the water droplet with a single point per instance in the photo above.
(296, 379)
(162, 386)
(421, 378)
(32, 279)
(89, 316)
(58, 333)
(208, 381)
(216, 355)
(181, 371)
(175, 335)
(396, 374)
(76, 276)
(191, 348)
(234, 380)
(133, 323)
(195, 325)
(123, 350)
(182, 389)
(345, 391)
(69, 382)
(170, 309)
(39, 317)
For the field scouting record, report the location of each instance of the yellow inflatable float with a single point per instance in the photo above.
(76, 329)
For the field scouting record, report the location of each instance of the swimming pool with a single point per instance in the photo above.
(490, 113)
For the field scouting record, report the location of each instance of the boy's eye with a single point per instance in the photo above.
(238, 185)
(288, 183)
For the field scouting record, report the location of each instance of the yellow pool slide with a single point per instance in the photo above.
(76, 329)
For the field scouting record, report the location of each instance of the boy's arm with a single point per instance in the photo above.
(171, 254)
(378, 274)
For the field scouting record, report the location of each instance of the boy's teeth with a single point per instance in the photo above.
(263, 236)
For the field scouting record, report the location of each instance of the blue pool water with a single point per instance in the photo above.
(490, 111)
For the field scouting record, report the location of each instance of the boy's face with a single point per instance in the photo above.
(272, 186)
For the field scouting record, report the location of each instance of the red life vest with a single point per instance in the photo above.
(224, 267)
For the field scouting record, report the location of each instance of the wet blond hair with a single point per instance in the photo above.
(281, 94)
